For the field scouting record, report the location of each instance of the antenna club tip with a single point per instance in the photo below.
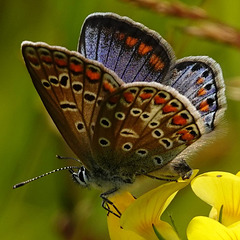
(18, 185)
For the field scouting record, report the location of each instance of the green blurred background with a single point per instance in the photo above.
(54, 207)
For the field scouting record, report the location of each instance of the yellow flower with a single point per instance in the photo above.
(140, 216)
(221, 190)
(209, 229)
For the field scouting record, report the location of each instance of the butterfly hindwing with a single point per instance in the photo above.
(200, 80)
(142, 127)
(71, 88)
(131, 50)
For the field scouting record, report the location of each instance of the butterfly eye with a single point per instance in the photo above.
(81, 176)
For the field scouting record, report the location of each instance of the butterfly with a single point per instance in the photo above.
(123, 103)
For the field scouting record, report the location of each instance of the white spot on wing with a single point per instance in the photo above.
(127, 132)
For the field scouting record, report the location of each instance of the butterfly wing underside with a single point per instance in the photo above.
(72, 89)
(142, 127)
(137, 127)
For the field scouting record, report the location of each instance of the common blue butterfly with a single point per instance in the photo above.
(123, 104)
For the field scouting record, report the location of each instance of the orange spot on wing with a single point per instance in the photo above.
(78, 68)
(179, 120)
(130, 41)
(186, 136)
(144, 49)
(61, 62)
(201, 92)
(200, 80)
(93, 76)
(159, 100)
(108, 86)
(204, 106)
(156, 62)
(129, 97)
(145, 96)
(33, 60)
(113, 99)
(120, 36)
(169, 108)
(46, 59)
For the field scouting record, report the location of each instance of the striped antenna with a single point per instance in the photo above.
(45, 174)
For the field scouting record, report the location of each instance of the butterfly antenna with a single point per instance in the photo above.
(43, 175)
(68, 158)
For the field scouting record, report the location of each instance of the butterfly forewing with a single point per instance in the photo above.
(131, 50)
(142, 127)
(72, 89)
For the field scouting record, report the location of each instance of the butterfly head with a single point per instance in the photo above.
(82, 176)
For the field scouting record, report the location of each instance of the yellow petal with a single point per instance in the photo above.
(122, 201)
(209, 229)
(235, 229)
(220, 189)
(147, 209)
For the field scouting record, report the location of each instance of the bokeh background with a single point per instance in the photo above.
(55, 208)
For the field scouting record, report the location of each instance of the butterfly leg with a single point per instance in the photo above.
(166, 178)
(106, 203)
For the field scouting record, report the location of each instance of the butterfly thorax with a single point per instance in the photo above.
(102, 178)
(106, 179)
